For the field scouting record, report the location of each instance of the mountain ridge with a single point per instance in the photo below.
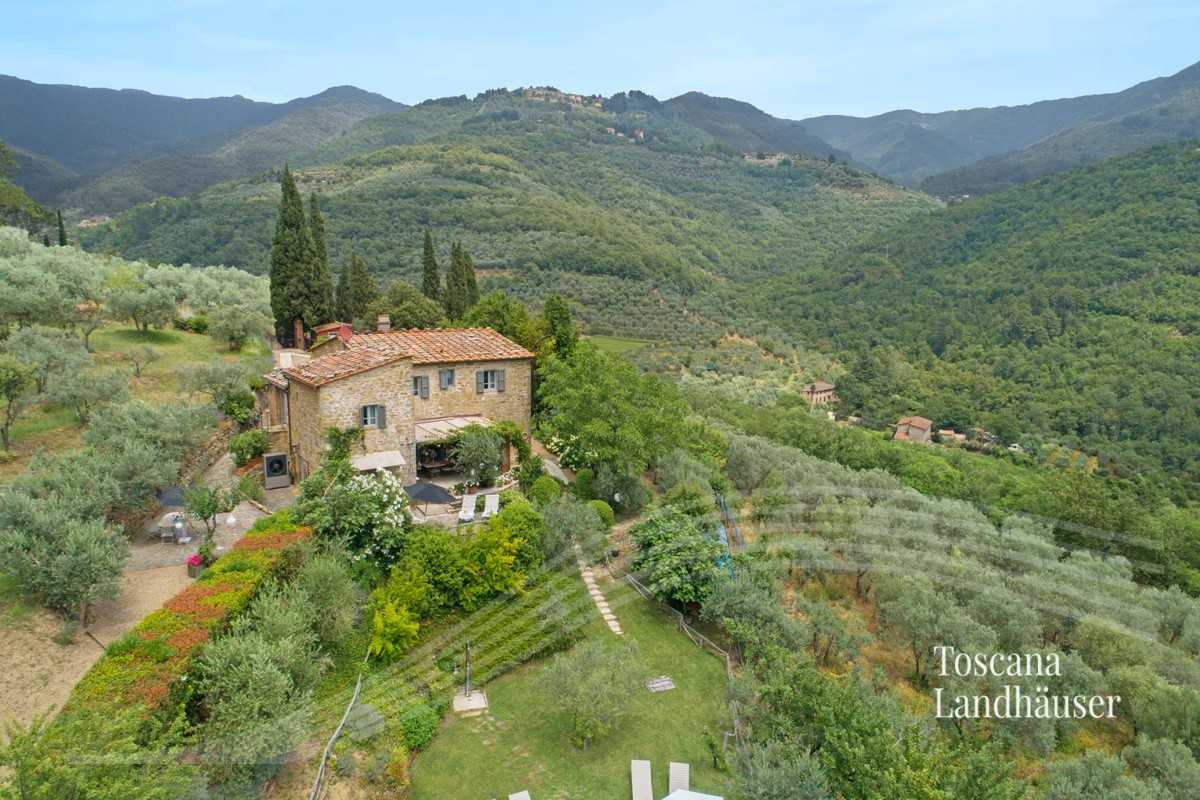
(983, 132)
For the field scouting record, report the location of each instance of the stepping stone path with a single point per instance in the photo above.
(589, 580)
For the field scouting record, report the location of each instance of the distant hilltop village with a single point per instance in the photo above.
(552, 95)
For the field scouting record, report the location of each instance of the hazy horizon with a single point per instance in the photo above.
(862, 59)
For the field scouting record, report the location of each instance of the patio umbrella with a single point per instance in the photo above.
(425, 492)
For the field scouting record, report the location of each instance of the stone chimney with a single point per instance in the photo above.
(385, 323)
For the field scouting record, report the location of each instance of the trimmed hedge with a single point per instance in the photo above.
(140, 668)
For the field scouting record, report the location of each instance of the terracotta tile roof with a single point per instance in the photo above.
(916, 422)
(441, 345)
(819, 386)
(276, 378)
(336, 366)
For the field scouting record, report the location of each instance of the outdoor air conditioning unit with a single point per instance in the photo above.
(275, 471)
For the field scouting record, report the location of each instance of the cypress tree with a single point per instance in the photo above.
(431, 275)
(356, 289)
(362, 285)
(468, 268)
(323, 300)
(62, 231)
(455, 299)
(293, 262)
(343, 305)
(557, 315)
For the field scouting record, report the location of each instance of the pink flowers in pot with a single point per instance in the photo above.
(194, 560)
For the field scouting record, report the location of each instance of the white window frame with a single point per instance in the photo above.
(491, 380)
(368, 416)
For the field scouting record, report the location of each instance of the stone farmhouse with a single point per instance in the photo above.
(820, 393)
(914, 429)
(409, 390)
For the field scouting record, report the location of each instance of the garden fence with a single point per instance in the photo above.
(701, 641)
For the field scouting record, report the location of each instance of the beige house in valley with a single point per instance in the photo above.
(819, 393)
(913, 429)
(409, 391)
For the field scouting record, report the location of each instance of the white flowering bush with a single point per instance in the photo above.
(368, 512)
(571, 454)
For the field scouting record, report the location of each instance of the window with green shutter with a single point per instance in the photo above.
(372, 416)
(445, 378)
(420, 386)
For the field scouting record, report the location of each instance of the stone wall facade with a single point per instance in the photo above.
(462, 399)
(312, 410)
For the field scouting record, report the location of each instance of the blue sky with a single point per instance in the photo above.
(792, 60)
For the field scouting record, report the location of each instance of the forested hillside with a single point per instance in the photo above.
(546, 196)
(1103, 137)
(103, 150)
(1064, 312)
(16, 207)
(911, 146)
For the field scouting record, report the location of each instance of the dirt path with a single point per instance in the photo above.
(36, 674)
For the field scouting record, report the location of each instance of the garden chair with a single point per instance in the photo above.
(639, 774)
(467, 512)
(491, 505)
(679, 777)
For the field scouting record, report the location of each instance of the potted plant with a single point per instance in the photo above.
(194, 564)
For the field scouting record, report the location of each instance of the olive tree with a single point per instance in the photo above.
(85, 391)
(50, 351)
(235, 323)
(141, 304)
(594, 683)
(16, 379)
(569, 521)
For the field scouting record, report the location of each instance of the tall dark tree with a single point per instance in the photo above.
(62, 231)
(431, 275)
(557, 315)
(343, 303)
(293, 265)
(46, 239)
(356, 289)
(468, 268)
(362, 284)
(455, 297)
(316, 225)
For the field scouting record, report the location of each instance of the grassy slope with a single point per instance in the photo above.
(51, 427)
(617, 344)
(522, 744)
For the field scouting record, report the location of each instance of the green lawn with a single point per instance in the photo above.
(524, 744)
(616, 345)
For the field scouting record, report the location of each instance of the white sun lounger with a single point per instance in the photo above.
(639, 774)
(519, 796)
(491, 505)
(679, 777)
(467, 512)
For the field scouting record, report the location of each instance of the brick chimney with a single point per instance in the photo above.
(385, 323)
